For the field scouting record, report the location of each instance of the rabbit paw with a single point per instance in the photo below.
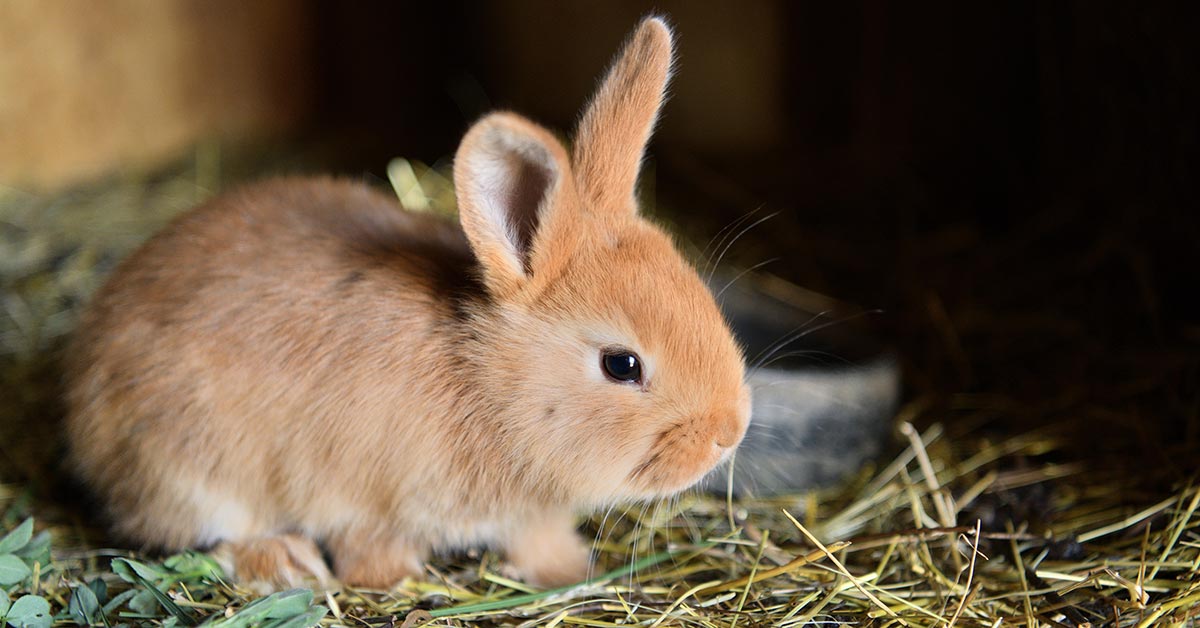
(549, 553)
(365, 562)
(271, 563)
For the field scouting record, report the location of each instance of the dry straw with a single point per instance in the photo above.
(961, 527)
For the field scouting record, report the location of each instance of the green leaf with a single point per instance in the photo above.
(288, 603)
(17, 539)
(165, 600)
(154, 579)
(190, 565)
(144, 602)
(12, 570)
(84, 607)
(100, 589)
(30, 611)
(125, 596)
(4, 602)
(308, 619)
(291, 608)
(37, 550)
(133, 572)
(184, 617)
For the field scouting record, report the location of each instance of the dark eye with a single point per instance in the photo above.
(621, 366)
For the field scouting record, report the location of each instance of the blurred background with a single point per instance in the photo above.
(1012, 183)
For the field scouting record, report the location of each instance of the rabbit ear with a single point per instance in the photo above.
(514, 187)
(616, 126)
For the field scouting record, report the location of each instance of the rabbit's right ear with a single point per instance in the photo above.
(516, 200)
(616, 126)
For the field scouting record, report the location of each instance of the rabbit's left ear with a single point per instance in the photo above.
(516, 202)
(616, 126)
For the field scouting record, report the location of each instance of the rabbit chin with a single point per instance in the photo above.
(660, 477)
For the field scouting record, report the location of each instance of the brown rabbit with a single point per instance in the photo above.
(302, 362)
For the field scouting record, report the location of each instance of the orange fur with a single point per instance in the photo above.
(302, 361)
(281, 561)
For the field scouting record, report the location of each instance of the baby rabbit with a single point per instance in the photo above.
(302, 364)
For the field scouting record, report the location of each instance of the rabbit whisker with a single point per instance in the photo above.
(737, 237)
(723, 234)
(753, 268)
(802, 332)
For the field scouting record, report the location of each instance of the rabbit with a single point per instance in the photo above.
(301, 368)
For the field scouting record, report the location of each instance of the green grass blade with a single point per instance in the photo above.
(529, 598)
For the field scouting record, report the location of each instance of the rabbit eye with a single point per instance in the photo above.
(621, 366)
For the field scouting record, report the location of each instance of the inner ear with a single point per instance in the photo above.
(528, 184)
(511, 178)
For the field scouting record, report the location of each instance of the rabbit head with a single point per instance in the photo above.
(616, 373)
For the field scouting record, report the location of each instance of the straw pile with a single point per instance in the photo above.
(990, 512)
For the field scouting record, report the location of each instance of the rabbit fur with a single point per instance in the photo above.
(300, 366)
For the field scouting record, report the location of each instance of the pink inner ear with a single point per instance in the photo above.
(528, 184)
(507, 174)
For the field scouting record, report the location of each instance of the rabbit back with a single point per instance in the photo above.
(289, 328)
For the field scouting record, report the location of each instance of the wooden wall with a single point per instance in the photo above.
(91, 88)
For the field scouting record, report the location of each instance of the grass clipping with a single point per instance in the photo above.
(972, 528)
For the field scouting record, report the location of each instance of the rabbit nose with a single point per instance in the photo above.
(728, 433)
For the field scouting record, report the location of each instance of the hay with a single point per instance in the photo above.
(969, 523)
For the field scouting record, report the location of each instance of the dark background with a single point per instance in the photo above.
(1011, 182)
